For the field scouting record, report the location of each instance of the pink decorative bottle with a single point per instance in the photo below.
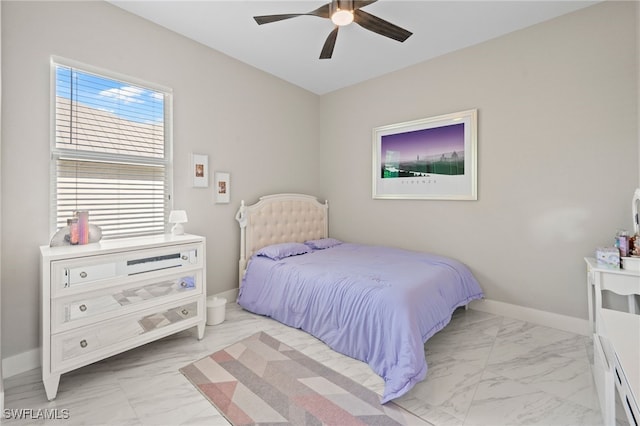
(83, 226)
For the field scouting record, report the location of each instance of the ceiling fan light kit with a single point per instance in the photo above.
(342, 17)
(343, 12)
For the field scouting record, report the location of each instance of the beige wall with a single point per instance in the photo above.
(558, 155)
(260, 129)
(558, 146)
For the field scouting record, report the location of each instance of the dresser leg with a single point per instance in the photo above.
(51, 385)
(201, 330)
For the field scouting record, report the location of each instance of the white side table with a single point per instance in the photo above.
(616, 341)
(626, 281)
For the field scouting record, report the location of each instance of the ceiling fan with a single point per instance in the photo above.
(341, 13)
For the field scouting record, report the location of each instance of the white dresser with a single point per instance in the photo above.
(616, 342)
(101, 299)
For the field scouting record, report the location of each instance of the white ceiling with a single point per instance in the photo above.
(290, 49)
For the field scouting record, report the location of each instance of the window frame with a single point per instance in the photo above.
(65, 154)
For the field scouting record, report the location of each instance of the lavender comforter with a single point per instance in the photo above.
(376, 304)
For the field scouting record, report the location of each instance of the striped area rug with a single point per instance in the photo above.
(260, 380)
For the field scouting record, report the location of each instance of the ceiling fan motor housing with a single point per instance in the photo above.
(337, 5)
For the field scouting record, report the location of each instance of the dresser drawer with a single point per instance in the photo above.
(603, 378)
(629, 402)
(75, 275)
(631, 409)
(94, 306)
(94, 342)
(88, 273)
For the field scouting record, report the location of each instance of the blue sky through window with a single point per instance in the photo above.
(124, 100)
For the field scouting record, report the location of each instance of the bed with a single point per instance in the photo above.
(374, 303)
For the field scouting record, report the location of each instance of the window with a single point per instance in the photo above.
(111, 151)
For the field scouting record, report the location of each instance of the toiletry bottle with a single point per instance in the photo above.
(622, 242)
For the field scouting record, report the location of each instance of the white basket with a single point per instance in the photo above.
(215, 310)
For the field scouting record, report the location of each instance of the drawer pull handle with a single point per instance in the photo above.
(83, 343)
(83, 274)
(630, 409)
(185, 312)
(83, 308)
(185, 257)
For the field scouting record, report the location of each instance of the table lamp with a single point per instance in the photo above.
(178, 217)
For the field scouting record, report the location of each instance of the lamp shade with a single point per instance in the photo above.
(178, 216)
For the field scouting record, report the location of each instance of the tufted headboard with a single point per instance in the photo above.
(280, 218)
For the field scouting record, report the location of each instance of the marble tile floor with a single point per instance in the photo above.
(483, 370)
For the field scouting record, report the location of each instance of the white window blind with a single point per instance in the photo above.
(111, 152)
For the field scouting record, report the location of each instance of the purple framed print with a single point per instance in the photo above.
(429, 159)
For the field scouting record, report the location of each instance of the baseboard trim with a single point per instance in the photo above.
(230, 295)
(1, 389)
(535, 316)
(29, 360)
(20, 363)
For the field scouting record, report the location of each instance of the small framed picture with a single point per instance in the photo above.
(200, 170)
(222, 187)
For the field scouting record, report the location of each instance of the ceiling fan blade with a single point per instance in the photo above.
(321, 12)
(380, 26)
(329, 44)
(266, 19)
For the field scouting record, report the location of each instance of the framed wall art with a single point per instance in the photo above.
(200, 170)
(222, 187)
(429, 159)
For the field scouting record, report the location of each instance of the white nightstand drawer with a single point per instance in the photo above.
(623, 282)
(84, 343)
(90, 307)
